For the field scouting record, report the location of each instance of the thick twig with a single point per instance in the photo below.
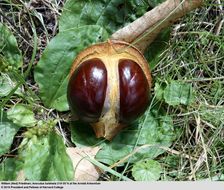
(145, 29)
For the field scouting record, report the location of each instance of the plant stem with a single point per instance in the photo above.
(145, 29)
(107, 169)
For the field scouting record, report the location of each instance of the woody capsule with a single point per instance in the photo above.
(109, 86)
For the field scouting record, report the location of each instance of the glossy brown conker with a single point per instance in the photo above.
(87, 90)
(109, 86)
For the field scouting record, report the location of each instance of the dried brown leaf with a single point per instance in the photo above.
(21, 176)
(84, 170)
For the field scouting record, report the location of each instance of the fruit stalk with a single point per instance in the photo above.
(145, 29)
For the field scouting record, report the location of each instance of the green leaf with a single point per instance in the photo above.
(45, 158)
(214, 115)
(83, 135)
(51, 72)
(22, 115)
(10, 55)
(7, 83)
(156, 130)
(159, 90)
(113, 152)
(149, 170)
(7, 132)
(177, 93)
(111, 14)
(9, 169)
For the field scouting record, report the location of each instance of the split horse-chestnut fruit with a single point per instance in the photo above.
(109, 86)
